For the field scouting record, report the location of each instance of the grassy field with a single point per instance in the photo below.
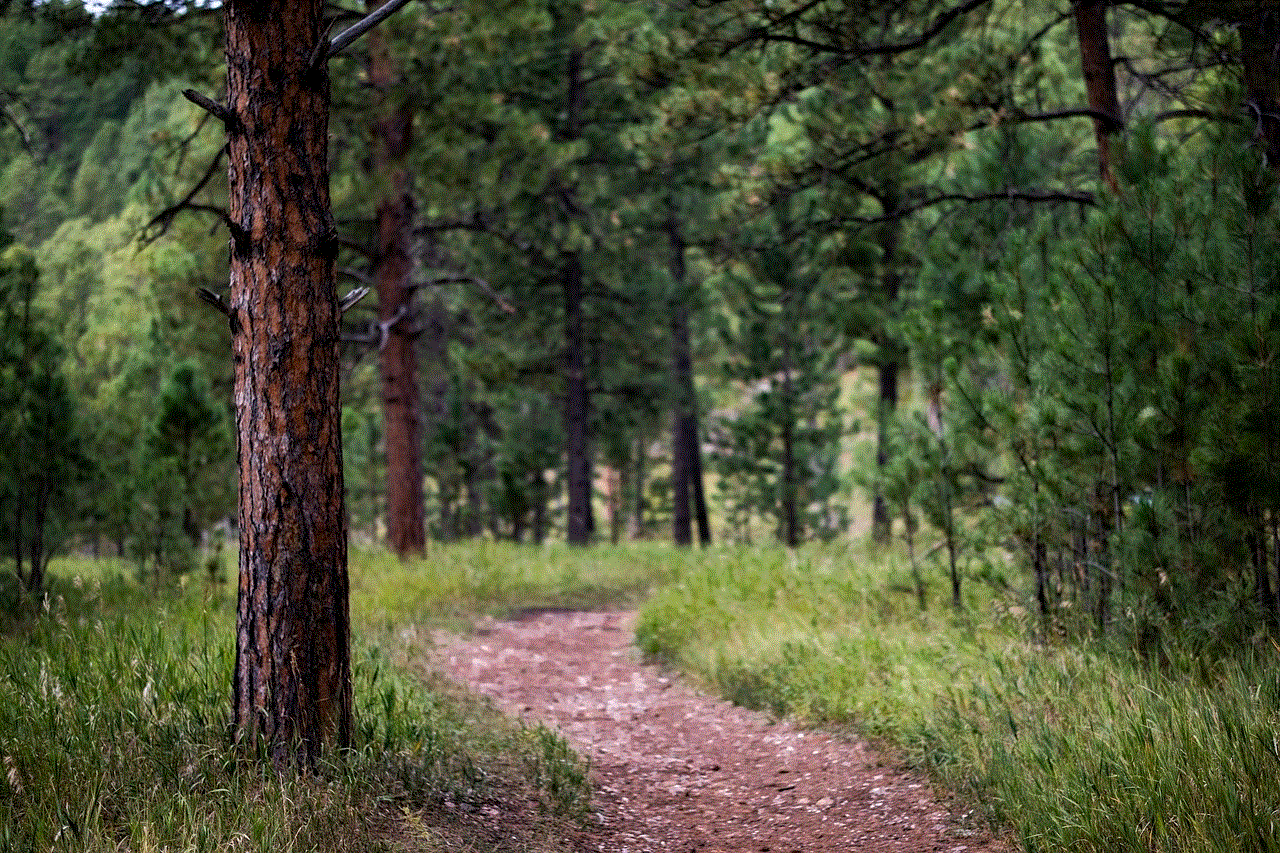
(114, 703)
(114, 708)
(1069, 747)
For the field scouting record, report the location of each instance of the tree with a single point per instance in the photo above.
(292, 684)
(37, 425)
(392, 266)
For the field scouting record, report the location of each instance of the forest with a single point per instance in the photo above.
(984, 290)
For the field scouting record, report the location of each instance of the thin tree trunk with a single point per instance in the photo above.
(1259, 42)
(886, 405)
(887, 368)
(392, 267)
(292, 683)
(577, 408)
(699, 492)
(790, 515)
(637, 526)
(540, 498)
(681, 388)
(686, 451)
(1099, 79)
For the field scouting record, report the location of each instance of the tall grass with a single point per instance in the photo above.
(453, 584)
(1078, 748)
(114, 712)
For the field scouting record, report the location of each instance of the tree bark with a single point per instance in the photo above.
(577, 407)
(392, 267)
(292, 683)
(887, 369)
(1099, 79)
(686, 452)
(1259, 42)
(790, 490)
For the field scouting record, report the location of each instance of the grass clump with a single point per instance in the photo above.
(114, 735)
(1077, 747)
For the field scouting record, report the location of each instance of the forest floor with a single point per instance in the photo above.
(676, 770)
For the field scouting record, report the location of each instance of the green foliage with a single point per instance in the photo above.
(185, 461)
(1138, 389)
(38, 426)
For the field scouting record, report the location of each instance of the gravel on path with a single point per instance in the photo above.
(677, 771)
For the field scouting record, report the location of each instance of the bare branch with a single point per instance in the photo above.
(939, 24)
(208, 297)
(348, 302)
(22, 130)
(165, 218)
(1059, 196)
(1072, 112)
(478, 282)
(223, 114)
(1208, 115)
(347, 37)
(358, 275)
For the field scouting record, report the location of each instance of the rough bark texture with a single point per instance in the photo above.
(292, 685)
(1099, 78)
(392, 267)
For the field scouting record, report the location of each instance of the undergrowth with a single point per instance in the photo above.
(1074, 746)
(114, 735)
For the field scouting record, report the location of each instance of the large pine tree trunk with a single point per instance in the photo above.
(401, 406)
(1099, 79)
(292, 684)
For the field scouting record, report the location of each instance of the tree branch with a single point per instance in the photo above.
(223, 114)
(939, 24)
(326, 49)
(353, 296)
(22, 130)
(1084, 198)
(165, 218)
(213, 300)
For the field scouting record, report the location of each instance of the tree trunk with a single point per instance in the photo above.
(577, 407)
(636, 529)
(1099, 79)
(887, 369)
(292, 684)
(686, 451)
(392, 267)
(790, 513)
(695, 473)
(1259, 42)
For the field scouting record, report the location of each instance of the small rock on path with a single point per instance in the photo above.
(676, 770)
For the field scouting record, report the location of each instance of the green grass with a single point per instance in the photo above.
(1072, 748)
(455, 584)
(114, 711)
(114, 703)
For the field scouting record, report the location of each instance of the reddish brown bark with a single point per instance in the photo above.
(292, 684)
(401, 404)
(1099, 79)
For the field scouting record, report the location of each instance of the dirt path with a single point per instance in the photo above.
(679, 771)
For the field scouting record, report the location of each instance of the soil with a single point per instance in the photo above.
(676, 770)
